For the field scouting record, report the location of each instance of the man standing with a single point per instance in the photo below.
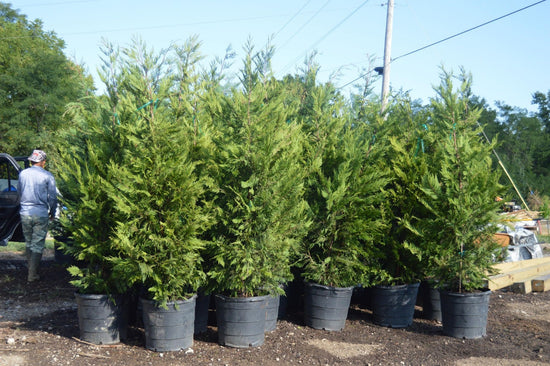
(38, 194)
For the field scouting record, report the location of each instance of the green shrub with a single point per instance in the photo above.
(460, 194)
(344, 190)
(261, 215)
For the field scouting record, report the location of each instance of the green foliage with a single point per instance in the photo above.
(523, 144)
(178, 180)
(159, 187)
(460, 194)
(344, 189)
(545, 208)
(261, 210)
(543, 102)
(36, 82)
(539, 203)
(83, 176)
(15, 246)
(401, 249)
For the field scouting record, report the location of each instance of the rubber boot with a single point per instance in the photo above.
(34, 263)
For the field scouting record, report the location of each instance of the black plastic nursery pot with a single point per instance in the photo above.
(393, 306)
(171, 328)
(326, 307)
(201, 313)
(241, 320)
(464, 315)
(430, 300)
(283, 305)
(293, 299)
(272, 312)
(100, 318)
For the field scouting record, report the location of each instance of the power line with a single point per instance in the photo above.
(467, 30)
(292, 18)
(354, 80)
(447, 38)
(112, 30)
(339, 24)
(306, 23)
(59, 3)
(327, 34)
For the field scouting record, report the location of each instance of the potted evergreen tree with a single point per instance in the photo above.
(261, 208)
(160, 194)
(344, 190)
(461, 197)
(401, 249)
(84, 150)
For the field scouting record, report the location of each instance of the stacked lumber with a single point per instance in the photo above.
(520, 215)
(522, 276)
(541, 284)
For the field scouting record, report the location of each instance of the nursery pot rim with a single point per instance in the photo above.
(244, 298)
(310, 284)
(171, 302)
(398, 286)
(96, 296)
(477, 293)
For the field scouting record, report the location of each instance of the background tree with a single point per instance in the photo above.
(543, 101)
(36, 82)
(522, 144)
(542, 154)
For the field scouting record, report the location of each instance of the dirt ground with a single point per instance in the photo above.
(39, 326)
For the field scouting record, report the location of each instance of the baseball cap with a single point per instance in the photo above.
(37, 156)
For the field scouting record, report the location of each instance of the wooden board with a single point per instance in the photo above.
(521, 273)
(541, 284)
(524, 287)
(510, 266)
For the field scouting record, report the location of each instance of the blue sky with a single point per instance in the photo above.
(509, 59)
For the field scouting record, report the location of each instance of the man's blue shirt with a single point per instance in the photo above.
(38, 192)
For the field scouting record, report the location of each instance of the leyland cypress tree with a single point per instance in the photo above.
(401, 248)
(261, 209)
(158, 191)
(345, 179)
(88, 218)
(460, 194)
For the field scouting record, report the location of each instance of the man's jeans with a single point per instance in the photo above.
(35, 229)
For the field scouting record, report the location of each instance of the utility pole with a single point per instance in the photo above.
(387, 56)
